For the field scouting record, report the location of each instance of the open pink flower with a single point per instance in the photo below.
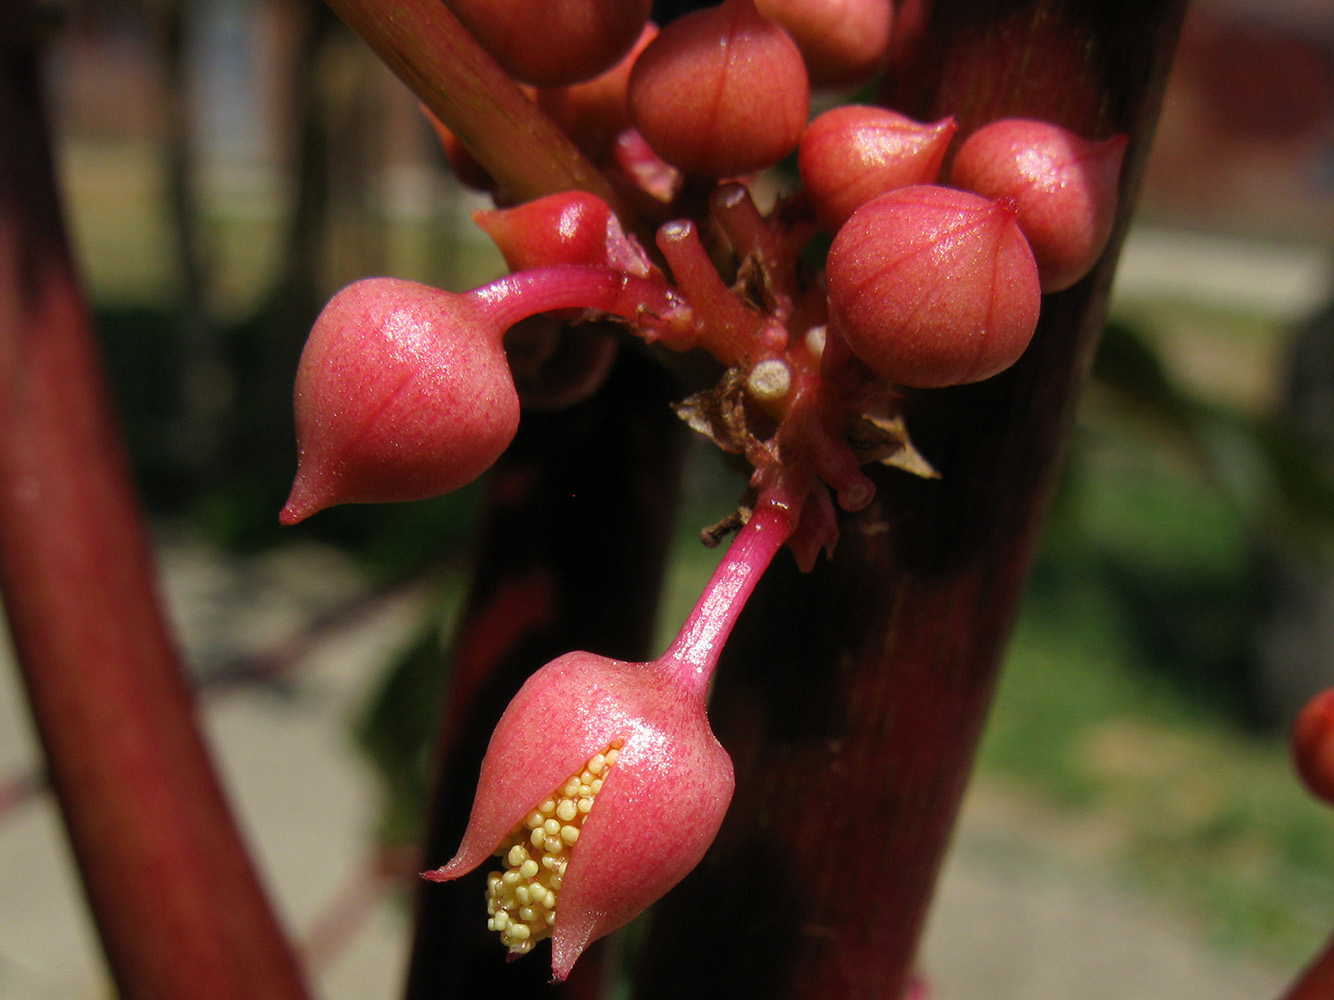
(603, 784)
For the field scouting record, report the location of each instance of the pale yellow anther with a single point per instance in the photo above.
(770, 380)
(521, 902)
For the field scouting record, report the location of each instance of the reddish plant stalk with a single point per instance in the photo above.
(695, 651)
(427, 47)
(177, 903)
(852, 699)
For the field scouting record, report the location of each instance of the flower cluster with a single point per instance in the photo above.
(603, 784)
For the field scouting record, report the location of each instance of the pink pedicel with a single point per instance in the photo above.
(720, 92)
(850, 154)
(603, 784)
(933, 287)
(1065, 188)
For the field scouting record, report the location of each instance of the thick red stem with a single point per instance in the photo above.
(430, 51)
(176, 901)
(852, 699)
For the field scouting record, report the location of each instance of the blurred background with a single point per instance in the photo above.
(1134, 828)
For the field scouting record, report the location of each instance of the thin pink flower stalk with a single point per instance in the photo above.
(603, 784)
(643, 301)
(694, 654)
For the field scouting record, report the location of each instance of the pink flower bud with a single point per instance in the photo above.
(572, 227)
(402, 393)
(932, 287)
(1065, 188)
(602, 786)
(851, 153)
(842, 41)
(554, 44)
(721, 91)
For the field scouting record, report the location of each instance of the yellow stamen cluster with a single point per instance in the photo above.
(521, 901)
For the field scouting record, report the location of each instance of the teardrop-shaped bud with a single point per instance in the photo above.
(1313, 745)
(601, 788)
(721, 91)
(842, 41)
(402, 393)
(1065, 188)
(572, 227)
(554, 44)
(851, 153)
(931, 286)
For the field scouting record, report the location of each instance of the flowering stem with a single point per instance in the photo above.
(430, 51)
(696, 649)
